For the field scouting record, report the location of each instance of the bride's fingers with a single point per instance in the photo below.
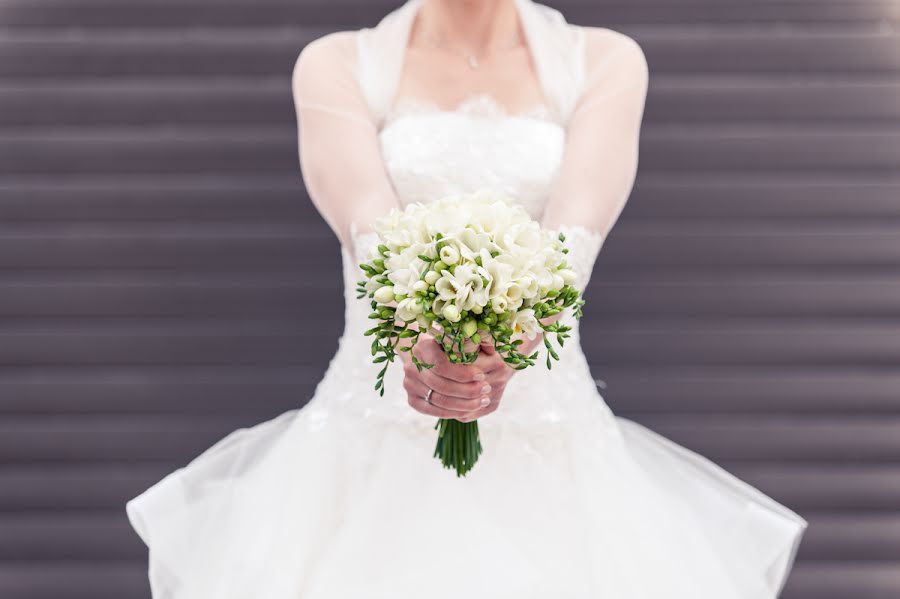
(480, 413)
(431, 353)
(454, 404)
(447, 401)
(493, 366)
(442, 406)
(416, 400)
(445, 386)
(483, 411)
(488, 361)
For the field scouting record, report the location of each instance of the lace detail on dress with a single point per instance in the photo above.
(583, 244)
(429, 152)
(364, 245)
(476, 105)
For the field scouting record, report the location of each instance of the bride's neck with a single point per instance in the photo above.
(474, 24)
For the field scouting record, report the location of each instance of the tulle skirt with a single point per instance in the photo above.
(315, 506)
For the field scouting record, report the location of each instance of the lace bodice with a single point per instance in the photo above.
(429, 152)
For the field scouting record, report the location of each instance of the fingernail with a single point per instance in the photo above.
(479, 376)
(485, 401)
(486, 389)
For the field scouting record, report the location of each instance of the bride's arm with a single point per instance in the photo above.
(602, 143)
(602, 146)
(599, 165)
(339, 152)
(345, 176)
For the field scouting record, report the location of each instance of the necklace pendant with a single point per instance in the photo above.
(473, 62)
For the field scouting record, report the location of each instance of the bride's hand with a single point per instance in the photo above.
(460, 390)
(497, 374)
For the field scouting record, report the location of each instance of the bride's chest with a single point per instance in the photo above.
(430, 152)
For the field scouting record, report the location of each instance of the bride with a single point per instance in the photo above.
(342, 499)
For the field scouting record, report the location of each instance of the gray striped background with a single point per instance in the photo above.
(157, 248)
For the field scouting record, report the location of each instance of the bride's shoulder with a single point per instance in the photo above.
(332, 49)
(325, 62)
(603, 43)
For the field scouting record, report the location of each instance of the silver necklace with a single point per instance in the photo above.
(470, 57)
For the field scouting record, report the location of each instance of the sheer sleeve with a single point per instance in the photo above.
(339, 150)
(601, 156)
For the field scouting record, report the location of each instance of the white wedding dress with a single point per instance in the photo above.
(342, 499)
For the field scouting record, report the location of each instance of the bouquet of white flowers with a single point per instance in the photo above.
(466, 268)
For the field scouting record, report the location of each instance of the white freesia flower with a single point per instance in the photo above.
(500, 304)
(568, 275)
(549, 255)
(408, 309)
(451, 313)
(558, 282)
(404, 279)
(498, 271)
(529, 285)
(513, 294)
(400, 229)
(409, 256)
(384, 295)
(449, 254)
(521, 238)
(373, 285)
(464, 286)
(437, 306)
(471, 242)
(524, 322)
(543, 282)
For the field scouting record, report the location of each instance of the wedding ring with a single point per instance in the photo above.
(427, 397)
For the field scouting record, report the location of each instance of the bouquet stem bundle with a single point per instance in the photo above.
(458, 445)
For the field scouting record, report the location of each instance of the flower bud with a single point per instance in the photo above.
(408, 309)
(451, 313)
(469, 328)
(420, 286)
(384, 295)
(439, 266)
(431, 277)
(449, 255)
(568, 276)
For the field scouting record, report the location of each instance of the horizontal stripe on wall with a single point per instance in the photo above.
(160, 260)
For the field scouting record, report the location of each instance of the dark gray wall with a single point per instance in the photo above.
(156, 246)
